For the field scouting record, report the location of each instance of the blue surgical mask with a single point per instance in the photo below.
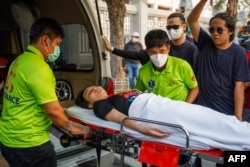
(54, 56)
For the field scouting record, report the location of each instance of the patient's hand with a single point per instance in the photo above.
(146, 130)
(155, 132)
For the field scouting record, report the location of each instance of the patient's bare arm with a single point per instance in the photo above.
(116, 116)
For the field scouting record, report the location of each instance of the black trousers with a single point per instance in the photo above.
(40, 156)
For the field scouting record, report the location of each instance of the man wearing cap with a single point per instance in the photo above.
(133, 65)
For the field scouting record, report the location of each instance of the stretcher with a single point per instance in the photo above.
(147, 151)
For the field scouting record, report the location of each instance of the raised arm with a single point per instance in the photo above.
(116, 116)
(134, 55)
(193, 18)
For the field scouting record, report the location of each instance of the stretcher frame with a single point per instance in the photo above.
(163, 154)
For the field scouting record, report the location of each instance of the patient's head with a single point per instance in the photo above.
(89, 95)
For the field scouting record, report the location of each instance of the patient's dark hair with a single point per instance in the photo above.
(80, 101)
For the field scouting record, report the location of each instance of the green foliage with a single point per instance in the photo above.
(246, 4)
(242, 5)
(219, 5)
(120, 2)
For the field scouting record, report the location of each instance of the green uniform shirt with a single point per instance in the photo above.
(174, 82)
(30, 83)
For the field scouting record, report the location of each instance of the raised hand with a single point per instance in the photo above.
(107, 44)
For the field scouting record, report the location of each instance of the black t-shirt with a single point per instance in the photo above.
(217, 72)
(120, 101)
(187, 51)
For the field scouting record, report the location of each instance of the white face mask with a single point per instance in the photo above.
(175, 34)
(159, 59)
(134, 40)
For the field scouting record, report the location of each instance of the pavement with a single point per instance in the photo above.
(128, 162)
(3, 162)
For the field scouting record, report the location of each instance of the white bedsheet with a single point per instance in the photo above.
(207, 128)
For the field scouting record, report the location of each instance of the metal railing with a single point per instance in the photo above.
(121, 85)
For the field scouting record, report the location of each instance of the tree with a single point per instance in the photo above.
(117, 12)
(233, 6)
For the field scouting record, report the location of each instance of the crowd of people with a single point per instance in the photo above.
(220, 66)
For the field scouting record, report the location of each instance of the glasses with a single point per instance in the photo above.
(219, 30)
(175, 27)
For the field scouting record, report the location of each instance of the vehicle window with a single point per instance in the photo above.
(76, 53)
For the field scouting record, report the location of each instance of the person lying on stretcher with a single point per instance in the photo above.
(207, 128)
(114, 108)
